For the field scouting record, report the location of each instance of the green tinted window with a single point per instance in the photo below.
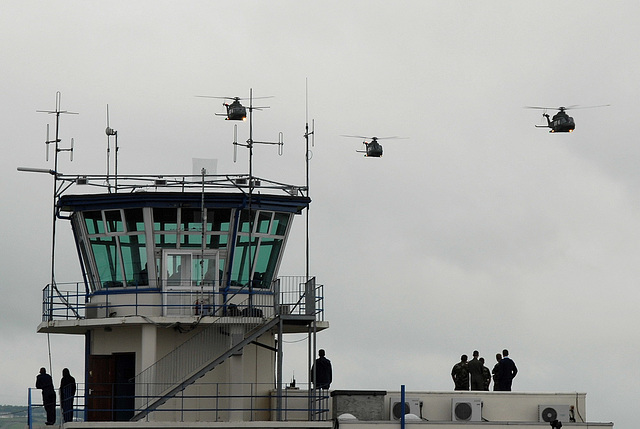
(191, 240)
(221, 219)
(165, 219)
(191, 220)
(245, 221)
(134, 258)
(166, 240)
(94, 223)
(218, 241)
(114, 221)
(264, 220)
(107, 261)
(267, 259)
(241, 261)
(280, 222)
(134, 220)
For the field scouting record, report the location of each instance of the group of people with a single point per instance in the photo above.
(44, 382)
(473, 375)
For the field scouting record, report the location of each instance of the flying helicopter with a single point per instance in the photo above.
(561, 122)
(372, 148)
(235, 110)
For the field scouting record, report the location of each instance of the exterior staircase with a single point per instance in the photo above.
(193, 359)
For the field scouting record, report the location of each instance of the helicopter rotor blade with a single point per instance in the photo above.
(375, 138)
(540, 108)
(586, 107)
(358, 137)
(213, 96)
(572, 107)
(233, 98)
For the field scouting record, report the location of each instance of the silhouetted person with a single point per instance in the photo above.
(67, 393)
(323, 371)
(460, 374)
(494, 371)
(506, 371)
(475, 372)
(44, 382)
(486, 375)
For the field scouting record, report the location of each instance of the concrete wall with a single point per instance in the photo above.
(437, 406)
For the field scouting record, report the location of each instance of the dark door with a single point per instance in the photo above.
(100, 380)
(124, 389)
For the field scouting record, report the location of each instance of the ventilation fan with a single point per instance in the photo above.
(549, 413)
(466, 409)
(411, 406)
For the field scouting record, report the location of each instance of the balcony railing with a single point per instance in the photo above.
(287, 295)
(112, 402)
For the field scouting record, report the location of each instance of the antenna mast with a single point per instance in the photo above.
(311, 345)
(55, 173)
(111, 132)
(308, 156)
(253, 182)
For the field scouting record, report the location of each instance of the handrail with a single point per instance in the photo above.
(260, 407)
(150, 183)
(71, 302)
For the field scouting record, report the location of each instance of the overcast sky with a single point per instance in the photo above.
(478, 231)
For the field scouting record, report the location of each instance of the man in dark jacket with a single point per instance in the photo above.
(507, 370)
(322, 370)
(67, 393)
(44, 382)
(475, 372)
(494, 371)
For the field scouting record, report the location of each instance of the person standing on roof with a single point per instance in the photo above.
(475, 372)
(322, 371)
(460, 374)
(507, 370)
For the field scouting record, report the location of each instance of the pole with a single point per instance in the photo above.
(402, 404)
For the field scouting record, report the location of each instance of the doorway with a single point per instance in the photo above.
(111, 387)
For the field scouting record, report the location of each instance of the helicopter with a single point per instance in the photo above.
(373, 148)
(561, 122)
(235, 111)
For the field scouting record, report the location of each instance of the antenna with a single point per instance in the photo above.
(57, 140)
(252, 182)
(54, 289)
(235, 142)
(308, 156)
(312, 345)
(250, 142)
(111, 132)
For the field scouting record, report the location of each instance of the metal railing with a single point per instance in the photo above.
(256, 402)
(287, 295)
(180, 183)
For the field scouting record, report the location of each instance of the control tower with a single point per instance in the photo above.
(181, 304)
